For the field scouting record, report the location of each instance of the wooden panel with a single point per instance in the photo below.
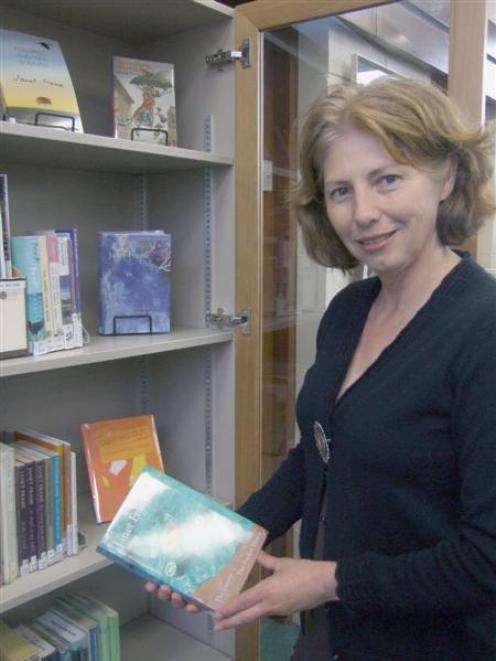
(248, 294)
(272, 14)
(468, 38)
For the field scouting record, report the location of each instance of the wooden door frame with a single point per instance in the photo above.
(251, 19)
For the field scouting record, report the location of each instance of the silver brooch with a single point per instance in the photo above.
(321, 441)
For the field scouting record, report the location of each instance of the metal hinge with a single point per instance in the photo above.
(222, 320)
(222, 57)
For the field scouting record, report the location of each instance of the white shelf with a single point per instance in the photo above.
(102, 349)
(41, 145)
(87, 561)
(151, 639)
(138, 23)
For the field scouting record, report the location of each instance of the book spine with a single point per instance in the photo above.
(26, 258)
(50, 538)
(22, 519)
(54, 273)
(58, 517)
(4, 212)
(31, 513)
(74, 506)
(67, 488)
(47, 291)
(8, 537)
(40, 513)
(72, 234)
(66, 294)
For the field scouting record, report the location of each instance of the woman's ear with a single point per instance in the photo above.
(449, 178)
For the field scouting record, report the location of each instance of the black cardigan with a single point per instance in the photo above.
(411, 476)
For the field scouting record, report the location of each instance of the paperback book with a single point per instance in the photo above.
(116, 451)
(144, 101)
(172, 534)
(134, 276)
(35, 83)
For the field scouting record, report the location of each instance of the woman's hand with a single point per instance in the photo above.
(164, 593)
(295, 585)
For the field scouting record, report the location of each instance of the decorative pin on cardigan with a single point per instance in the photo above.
(321, 441)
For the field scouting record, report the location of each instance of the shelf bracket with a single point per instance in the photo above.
(221, 319)
(223, 57)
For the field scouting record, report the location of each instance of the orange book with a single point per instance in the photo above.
(116, 452)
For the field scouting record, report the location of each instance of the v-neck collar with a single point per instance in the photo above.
(352, 337)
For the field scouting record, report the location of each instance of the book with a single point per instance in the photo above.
(134, 279)
(172, 534)
(106, 616)
(144, 101)
(9, 564)
(116, 451)
(72, 237)
(35, 83)
(26, 522)
(51, 636)
(44, 481)
(26, 258)
(54, 498)
(77, 637)
(46, 652)
(94, 610)
(14, 647)
(83, 621)
(67, 476)
(6, 253)
(13, 320)
(38, 520)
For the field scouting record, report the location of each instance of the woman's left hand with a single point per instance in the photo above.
(295, 585)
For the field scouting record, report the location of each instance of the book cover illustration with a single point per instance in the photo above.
(35, 83)
(116, 451)
(144, 101)
(172, 534)
(134, 279)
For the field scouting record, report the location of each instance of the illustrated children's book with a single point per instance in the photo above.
(144, 101)
(35, 84)
(116, 452)
(172, 534)
(134, 276)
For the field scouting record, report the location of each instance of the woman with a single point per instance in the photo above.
(397, 458)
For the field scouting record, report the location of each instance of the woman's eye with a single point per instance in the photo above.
(338, 193)
(390, 178)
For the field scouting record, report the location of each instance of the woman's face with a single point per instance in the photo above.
(383, 211)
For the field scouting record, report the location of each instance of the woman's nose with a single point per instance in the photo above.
(365, 208)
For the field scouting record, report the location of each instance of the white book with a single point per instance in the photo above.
(9, 568)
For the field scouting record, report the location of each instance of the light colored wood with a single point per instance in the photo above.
(272, 14)
(468, 40)
(248, 293)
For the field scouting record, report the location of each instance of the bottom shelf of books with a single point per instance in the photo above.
(69, 569)
(151, 639)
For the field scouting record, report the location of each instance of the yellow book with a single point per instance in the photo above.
(14, 647)
(35, 84)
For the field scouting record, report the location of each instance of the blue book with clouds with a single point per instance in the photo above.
(172, 534)
(134, 278)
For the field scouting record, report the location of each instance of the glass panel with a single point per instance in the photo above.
(408, 38)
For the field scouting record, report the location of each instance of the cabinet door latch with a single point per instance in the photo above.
(221, 319)
(223, 57)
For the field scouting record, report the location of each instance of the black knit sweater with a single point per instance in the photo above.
(411, 509)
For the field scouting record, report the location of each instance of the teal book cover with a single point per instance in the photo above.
(172, 534)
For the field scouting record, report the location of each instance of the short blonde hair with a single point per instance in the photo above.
(418, 125)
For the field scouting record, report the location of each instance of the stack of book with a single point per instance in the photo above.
(49, 262)
(38, 503)
(75, 626)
